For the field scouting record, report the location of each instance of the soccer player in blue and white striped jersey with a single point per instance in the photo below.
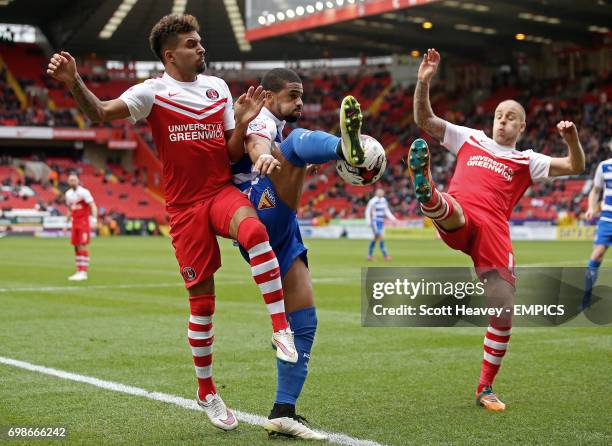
(601, 182)
(376, 212)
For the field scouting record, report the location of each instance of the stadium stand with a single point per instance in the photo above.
(38, 100)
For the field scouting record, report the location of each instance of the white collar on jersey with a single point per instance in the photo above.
(279, 123)
(167, 77)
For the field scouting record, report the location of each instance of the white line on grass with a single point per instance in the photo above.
(185, 403)
(89, 287)
(52, 289)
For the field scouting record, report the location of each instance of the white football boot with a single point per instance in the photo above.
(282, 342)
(292, 427)
(78, 276)
(218, 413)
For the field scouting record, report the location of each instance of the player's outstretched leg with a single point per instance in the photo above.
(436, 205)
(304, 147)
(201, 337)
(252, 235)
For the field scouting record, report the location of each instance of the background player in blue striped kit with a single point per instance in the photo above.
(376, 212)
(272, 172)
(601, 182)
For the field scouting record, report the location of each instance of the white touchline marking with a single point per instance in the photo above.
(51, 289)
(255, 420)
(90, 287)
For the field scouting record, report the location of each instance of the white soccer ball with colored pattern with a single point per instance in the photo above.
(373, 167)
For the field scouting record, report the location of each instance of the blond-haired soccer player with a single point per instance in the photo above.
(490, 178)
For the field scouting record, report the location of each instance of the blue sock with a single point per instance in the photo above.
(371, 248)
(382, 248)
(589, 281)
(291, 377)
(305, 146)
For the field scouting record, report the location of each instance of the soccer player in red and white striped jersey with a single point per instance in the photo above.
(81, 205)
(490, 177)
(197, 135)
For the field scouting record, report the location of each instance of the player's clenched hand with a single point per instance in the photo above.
(590, 214)
(266, 164)
(568, 132)
(249, 104)
(62, 67)
(429, 65)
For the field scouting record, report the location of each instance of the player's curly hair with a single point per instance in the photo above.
(166, 31)
(275, 79)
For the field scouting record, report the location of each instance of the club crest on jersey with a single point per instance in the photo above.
(211, 93)
(267, 200)
(256, 126)
(188, 273)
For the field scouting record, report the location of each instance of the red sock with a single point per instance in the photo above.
(253, 237)
(201, 337)
(439, 206)
(82, 260)
(495, 347)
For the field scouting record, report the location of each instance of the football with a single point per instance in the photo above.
(372, 169)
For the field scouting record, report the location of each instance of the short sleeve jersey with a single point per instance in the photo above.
(603, 181)
(489, 177)
(79, 202)
(188, 122)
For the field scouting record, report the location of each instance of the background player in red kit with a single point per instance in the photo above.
(490, 177)
(81, 205)
(192, 120)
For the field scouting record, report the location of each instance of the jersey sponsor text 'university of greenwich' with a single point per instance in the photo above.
(195, 131)
(491, 164)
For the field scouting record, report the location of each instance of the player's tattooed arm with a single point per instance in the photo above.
(62, 67)
(574, 162)
(424, 116)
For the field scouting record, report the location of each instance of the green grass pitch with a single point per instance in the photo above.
(395, 386)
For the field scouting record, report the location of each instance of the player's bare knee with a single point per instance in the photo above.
(599, 252)
(239, 216)
(206, 286)
(499, 293)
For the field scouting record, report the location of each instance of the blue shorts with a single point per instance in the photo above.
(378, 227)
(281, 223)
(604, 233)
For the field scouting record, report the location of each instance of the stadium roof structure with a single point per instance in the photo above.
(478, 30)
